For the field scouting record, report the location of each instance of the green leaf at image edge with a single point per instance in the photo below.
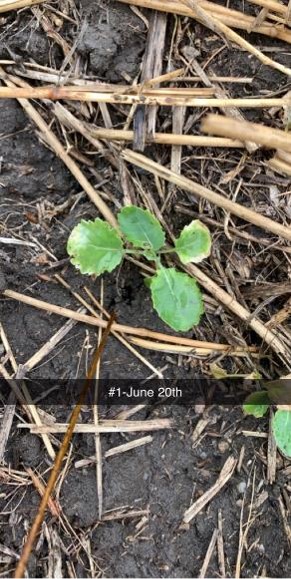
(281, 426)
(194, 243)
(177, 299)
(141, 228)
(257, 404)
(95, 247)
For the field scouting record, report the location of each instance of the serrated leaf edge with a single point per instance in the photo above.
(74, 258)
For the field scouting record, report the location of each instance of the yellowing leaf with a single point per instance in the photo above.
(95, 247)
(194, 242)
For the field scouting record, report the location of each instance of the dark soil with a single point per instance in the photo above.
(167, 475)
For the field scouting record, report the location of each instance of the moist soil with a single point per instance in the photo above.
(150, 487)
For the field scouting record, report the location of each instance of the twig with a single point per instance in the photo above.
(176, 152)
(273, 5)
(104, 426)
(116, 515)
(173, 76)
(145, 122)
(6, 423)
(260, 19)
(216, 25)
(166, 138)
(7, 5)
(22, 395)
(7, 347)
(208, 555)
(278, 164)
(220, 547)
(232, 18)
(143, 332)
(47, 347)
(72, 122)
(50, 31)
(200, 191)
(223, 478)
(186, 350)
(244, 528)
(220, 93)
(116, 450)
(13, 241)
(176, 99)
(284, 516)
(52, 505)
(7, 419)
(267, 136)
(128, 446)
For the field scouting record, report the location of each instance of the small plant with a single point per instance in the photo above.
(96, 247)
(258, 403)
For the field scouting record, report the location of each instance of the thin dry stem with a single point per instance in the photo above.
(267, 136)
(104, 426)
(225, 474)
(205, 193)
(166, 138)
(7, 5)
(175, 99)
(232, 18)
(142, 332)
(272, 5)
(214, 24)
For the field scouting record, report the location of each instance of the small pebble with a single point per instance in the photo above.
(199, 406)
(241, 487)
(203, 455)
(223, 446)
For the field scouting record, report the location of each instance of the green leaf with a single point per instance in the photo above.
(95, 247)
(141, 228)
(282, 431)
(177, 299)
(257, 404)
(194, 243)
(148, 281)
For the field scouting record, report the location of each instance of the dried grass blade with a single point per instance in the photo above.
(142, 332)
(199, 190)
(232, 18)
(7, 5)
(258, 133)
